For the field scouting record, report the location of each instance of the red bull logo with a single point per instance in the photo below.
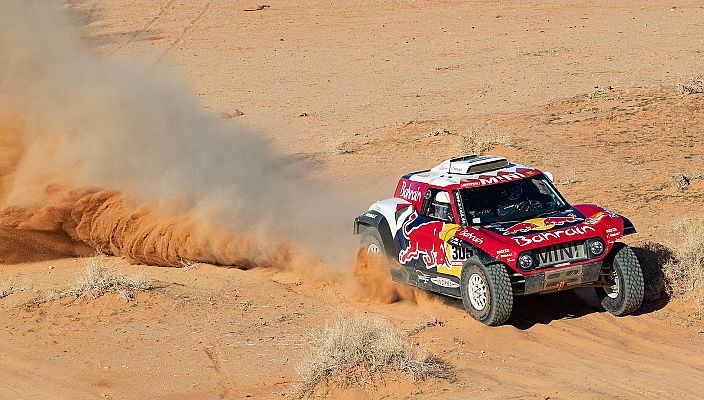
(424, 243)
(540, 224)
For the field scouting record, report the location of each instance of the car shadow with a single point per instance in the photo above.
(545, 308)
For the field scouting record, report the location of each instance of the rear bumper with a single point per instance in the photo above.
(557, 279)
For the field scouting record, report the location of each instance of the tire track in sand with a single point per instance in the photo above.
(185, 31)
(162, 11)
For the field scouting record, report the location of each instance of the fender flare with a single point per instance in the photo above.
(375, 220)
(628, 228)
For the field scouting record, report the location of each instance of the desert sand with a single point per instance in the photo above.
(356, 89)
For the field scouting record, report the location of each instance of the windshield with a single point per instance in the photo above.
(510, 201)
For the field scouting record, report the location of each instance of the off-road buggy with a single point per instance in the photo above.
(483, 230)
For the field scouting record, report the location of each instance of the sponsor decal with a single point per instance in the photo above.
(423, 277)
(546, 236)
(596, 218)
(424, 243)
(469, 235)
(370, 215)
(460, 208)
(444, 282)
(484, 180)
(539, 224)
(408, 192)
(505, 254)
(455, 241)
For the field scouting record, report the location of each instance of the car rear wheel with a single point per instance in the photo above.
(371, 242)
(626, 294)
(486, 293)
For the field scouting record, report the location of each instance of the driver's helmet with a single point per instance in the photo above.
(442, 206)
(513, 192)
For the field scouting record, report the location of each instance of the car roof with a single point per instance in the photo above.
(473, 171)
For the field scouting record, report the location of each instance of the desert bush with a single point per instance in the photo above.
(7, 289)
(358, 350)
(691, 86)
(653, 257)
(480, 139)
(97, 281)
(685, 271)
(10, 288)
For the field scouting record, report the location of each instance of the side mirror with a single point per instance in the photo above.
(549, 176)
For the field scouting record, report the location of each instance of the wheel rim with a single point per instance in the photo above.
(613, 291)
(477, 291)
(373, 249)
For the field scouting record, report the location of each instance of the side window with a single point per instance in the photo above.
(437, 205)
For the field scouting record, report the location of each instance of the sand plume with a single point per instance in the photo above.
(105, 156)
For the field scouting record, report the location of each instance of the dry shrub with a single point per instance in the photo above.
(10, 288)
(358, 350)
(692, 86)
(685, 271)
(480, 139)
(97, 281)
(653, 257)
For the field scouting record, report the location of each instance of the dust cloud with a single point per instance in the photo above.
(97, 155)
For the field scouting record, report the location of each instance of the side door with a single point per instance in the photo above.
(423, 235)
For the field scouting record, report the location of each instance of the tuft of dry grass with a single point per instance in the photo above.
(97, 281)
(691, 86)
(10, 288)
(653, 257)
(480, 139)
(684, 272)
(681, 182)
(357, 350)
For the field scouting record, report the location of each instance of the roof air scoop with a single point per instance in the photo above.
(473, 164)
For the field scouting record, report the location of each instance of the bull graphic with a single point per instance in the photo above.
(521, 227)
(423, 241)
(552, 221)
(540, 224)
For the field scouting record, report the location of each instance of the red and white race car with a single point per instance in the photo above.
(484, 230)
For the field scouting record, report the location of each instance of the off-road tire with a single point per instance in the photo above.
(630, 283)
(499, 296)
(370, 238)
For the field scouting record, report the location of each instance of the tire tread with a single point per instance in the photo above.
(633, 283)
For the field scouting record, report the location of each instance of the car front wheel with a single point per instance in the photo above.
(626, 294)
(486, 293)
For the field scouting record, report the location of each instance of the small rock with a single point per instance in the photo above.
(441, 132)
(256, 7)
(227, 115)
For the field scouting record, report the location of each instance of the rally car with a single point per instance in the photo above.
(482, 229)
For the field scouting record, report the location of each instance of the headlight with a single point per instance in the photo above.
(596, 247)
(525, 261)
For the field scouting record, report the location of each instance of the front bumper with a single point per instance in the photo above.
(557, 279)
